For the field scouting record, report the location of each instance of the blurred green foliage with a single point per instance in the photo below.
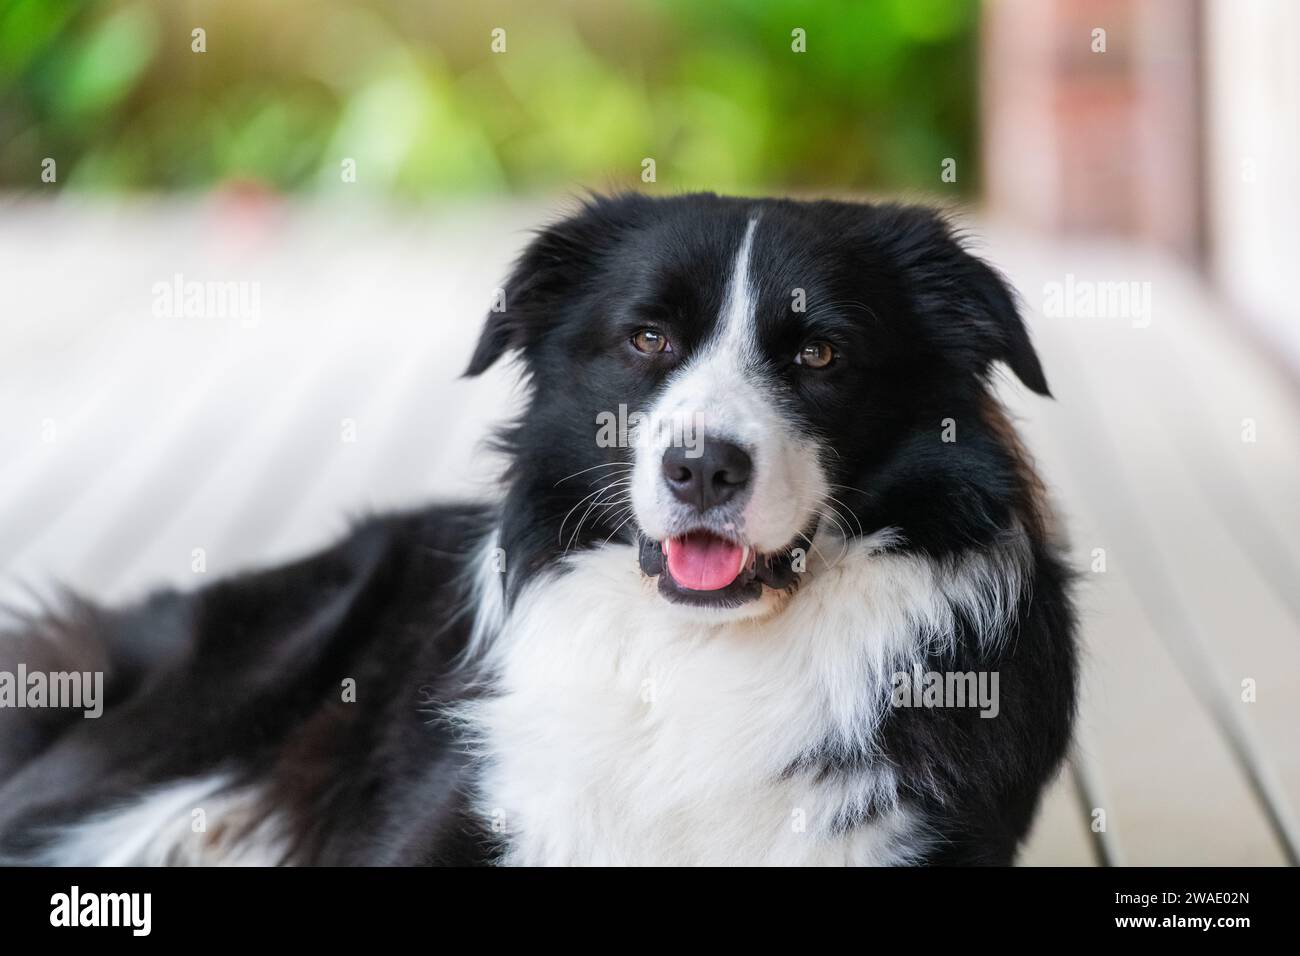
(413, 92)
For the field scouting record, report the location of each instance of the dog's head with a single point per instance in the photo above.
(716, 380)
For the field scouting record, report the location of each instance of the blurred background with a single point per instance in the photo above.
(430, 103)
(245, 248)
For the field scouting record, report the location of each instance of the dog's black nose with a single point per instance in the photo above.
(715, 476)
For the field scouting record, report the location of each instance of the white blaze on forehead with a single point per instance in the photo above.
(705, 391)
(736, 330)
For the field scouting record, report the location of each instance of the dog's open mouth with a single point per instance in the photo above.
(705, 562)
(708, 570)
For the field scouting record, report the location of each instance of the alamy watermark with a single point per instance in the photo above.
(1087, 299)
(79, 690)
(624, 429)
(192, 299)
(133, 911)
(974, 689)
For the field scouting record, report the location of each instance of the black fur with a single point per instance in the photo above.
(245, 676)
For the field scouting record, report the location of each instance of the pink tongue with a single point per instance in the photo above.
(701, 562)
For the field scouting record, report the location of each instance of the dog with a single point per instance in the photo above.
(759, 510)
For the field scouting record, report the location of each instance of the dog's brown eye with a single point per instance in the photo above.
(650, 341)
(815, 355)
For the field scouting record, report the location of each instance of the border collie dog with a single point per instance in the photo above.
(760, 508)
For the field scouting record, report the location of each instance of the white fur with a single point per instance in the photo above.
(158, 830)
(719, 392)
(628, 730)
(486, 587)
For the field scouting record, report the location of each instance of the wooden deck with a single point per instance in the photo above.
(130, 440)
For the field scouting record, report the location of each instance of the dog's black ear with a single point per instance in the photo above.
(550, 273)
(969, 307)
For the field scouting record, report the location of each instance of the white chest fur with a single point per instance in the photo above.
(626, 732)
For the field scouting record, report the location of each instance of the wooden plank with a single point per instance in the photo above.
(1060, 836)
(1108, 451)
